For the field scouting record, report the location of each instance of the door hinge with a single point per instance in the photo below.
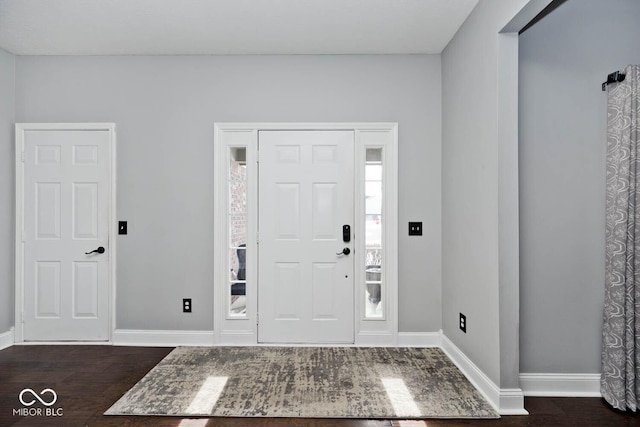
(22, 315)
(257, 238)
(257, 157)
(22, 156)
(257, 318)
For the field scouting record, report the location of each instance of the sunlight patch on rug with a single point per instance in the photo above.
(207, 396)
(403, 404)
(322, 382)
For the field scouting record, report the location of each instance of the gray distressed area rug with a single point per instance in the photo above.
(309, 382)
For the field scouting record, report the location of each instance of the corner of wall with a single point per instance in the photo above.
(7, 190)
(7, 339)
(507, 401)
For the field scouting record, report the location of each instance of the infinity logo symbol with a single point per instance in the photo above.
(34, 394)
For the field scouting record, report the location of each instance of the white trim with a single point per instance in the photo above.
(419, 339)
(401, 339)
(386, 139)
(561, 385)
(505, 401)
(246, 338)
(374, 339)
(511, 402)
(113, 226)
(30, 343)
(236, 338)
(19, 251)
(248, 126)
(6, 339)
(150, 338)
(240, 330)
(19, 218)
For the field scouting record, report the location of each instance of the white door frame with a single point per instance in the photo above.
(242, 330)
(20, 128)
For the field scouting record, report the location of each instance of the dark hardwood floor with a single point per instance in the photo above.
(89, 379)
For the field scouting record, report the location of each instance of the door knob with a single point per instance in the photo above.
(345, 251)
(99, 250)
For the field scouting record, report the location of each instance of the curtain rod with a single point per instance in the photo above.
(616, 77)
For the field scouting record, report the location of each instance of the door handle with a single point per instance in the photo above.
(99, 250)
(345, 251)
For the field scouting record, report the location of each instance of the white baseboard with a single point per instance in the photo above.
(6, 339)
(561, 385)
(375, 339)
(152, 338)
(511, 402)
(419, 339)
(402, 339)
(143, 338)
(236, 338)
(505, 401)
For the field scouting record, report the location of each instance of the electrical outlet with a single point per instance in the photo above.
(415, 229)
(463, 323)
(186, 305)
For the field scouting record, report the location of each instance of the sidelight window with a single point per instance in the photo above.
(237, 211)
(374, 222)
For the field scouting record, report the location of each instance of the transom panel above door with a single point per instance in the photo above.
(305, 285)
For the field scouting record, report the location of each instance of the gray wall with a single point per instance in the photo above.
(470, 240)
(7, 159)
(563, 60)
(165, 107)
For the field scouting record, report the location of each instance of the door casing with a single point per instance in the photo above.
(233, 330)
(20, 128)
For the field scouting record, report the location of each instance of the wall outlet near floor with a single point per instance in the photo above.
(186, 305)
(463, 323)
(415, 229)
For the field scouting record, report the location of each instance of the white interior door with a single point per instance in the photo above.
(66, 214)
(305, 285)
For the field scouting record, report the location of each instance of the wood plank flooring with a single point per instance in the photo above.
(89, 379)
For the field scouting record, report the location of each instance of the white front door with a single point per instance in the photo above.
(305, 285)
(66, 196)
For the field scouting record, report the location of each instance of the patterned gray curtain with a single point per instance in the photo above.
(620, 383)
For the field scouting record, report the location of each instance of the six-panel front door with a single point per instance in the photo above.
(305, 288)
(66, 214)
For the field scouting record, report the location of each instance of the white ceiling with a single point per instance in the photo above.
(186, 27)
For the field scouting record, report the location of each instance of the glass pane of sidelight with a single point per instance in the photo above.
(374, 261)
(373, 197)
(238, 181)
(237, 231)
(237, 262)
(237, 220)
(374, 264)
(373, 301)
(373, 171)
(373, 231)
(238, 302)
